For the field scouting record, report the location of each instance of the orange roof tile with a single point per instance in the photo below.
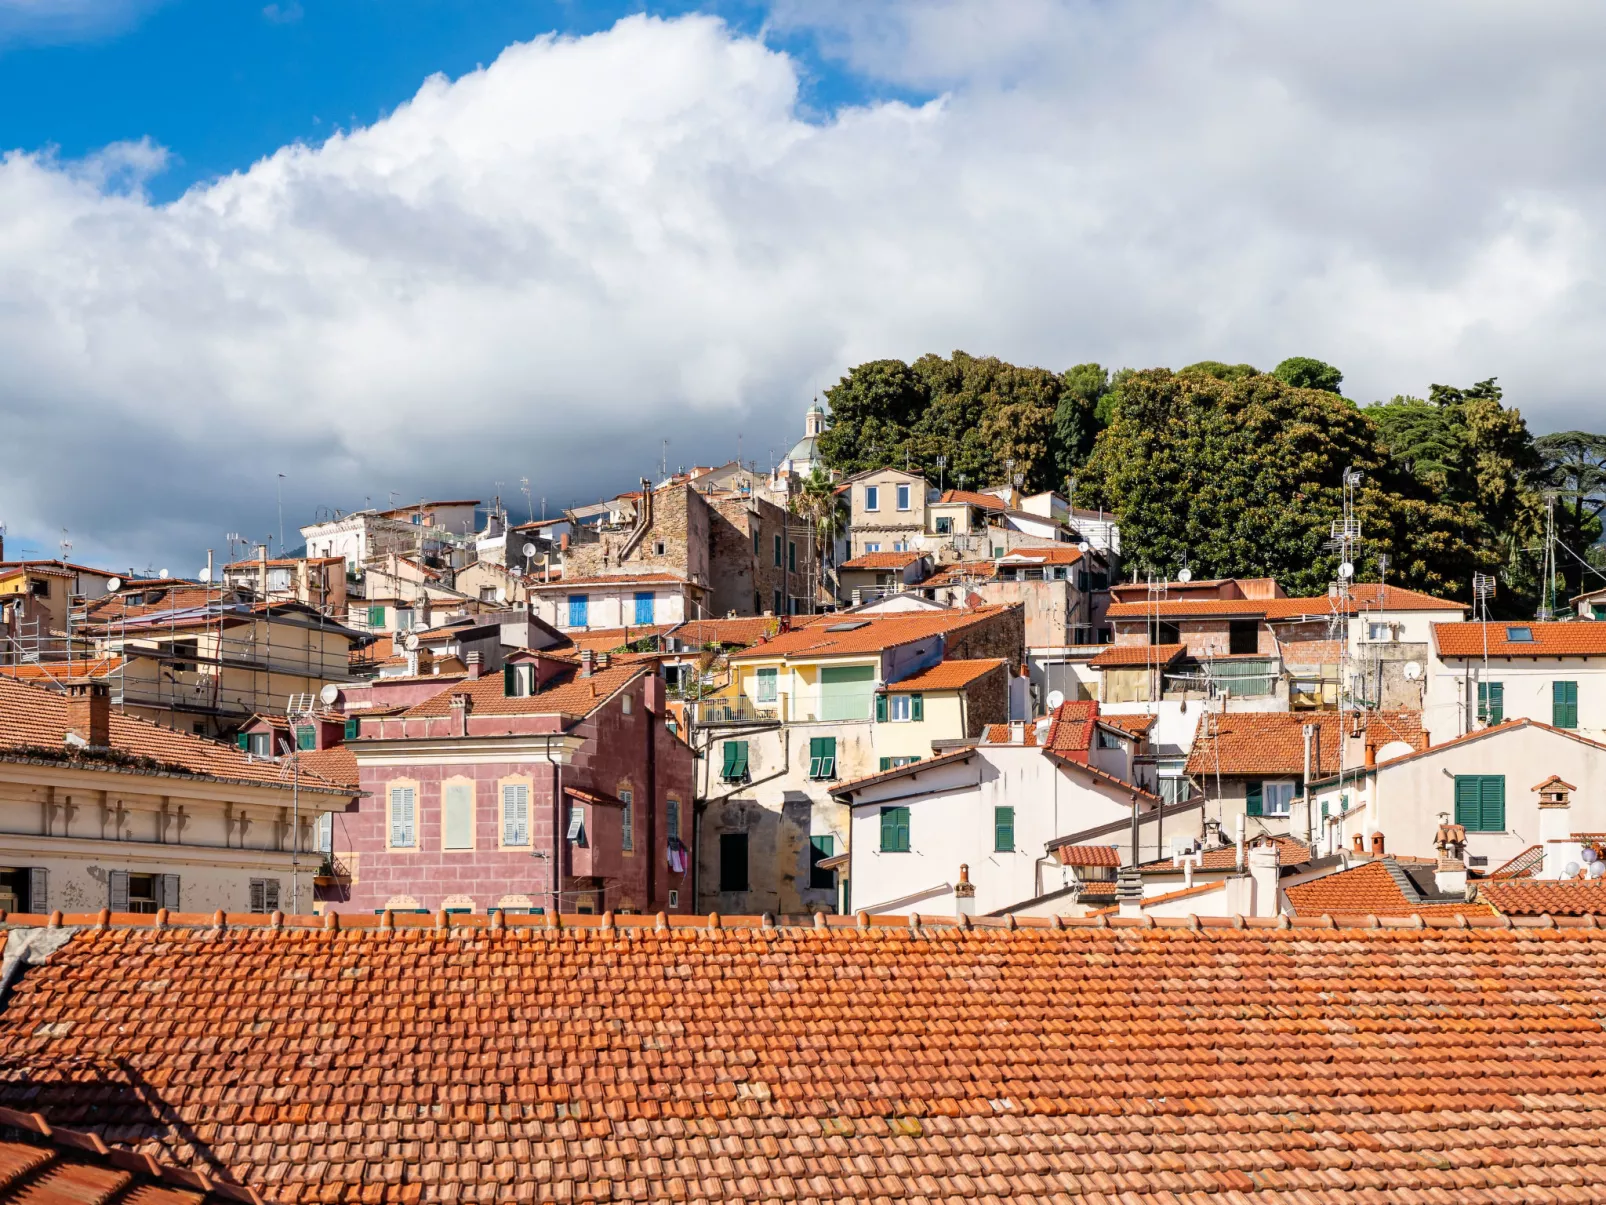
(1235, 1062)
(1552, 897)
(949, 675)
(999, 734)
(569, 695)
(1273, 742)
(971, 498)
(1130, 722)
(1573, 638)
(740, 631)
(1135, 656)
(33, 725)
(1525, 865)
(866, 634)
(1494, 730)
(1367, 890)
(1089, 855)
(336, 764)
(1362, 598)
(960, 572)
(1289, 853)
(1058, 554)
(882, 560)
(80, 670)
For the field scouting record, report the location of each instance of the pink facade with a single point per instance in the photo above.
(472, 807)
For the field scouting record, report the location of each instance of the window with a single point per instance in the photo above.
(579, 607)
(894, 763)
(777, 552)
(1164, 633)
(1243, 636)
(402, 831)
(1277, 798)
(184, 654)
(735, 765)
(766, 684)
(1519, 635)
(903, 497)
(143, 893)
(733, 861)
(644, 606)
(577, 825)
(674, 898)
(872, 497)
(326, 833)
(515, 814)
(626, 704)
(945, 525)
(822, 757)
(1564, 704)
(258, 744)
(672, 819)
(22, 889)
(778, 602)
(755, 541)
(821, 848)
(627, 822)
(1379, 631)
(998, 550)
(404, 620)
(658, 548)
(897, 707)
(900, 708)
(39, 589)
(872, 547)
(1108, 740)
(1004, 830)
(457, 816)
(791, 556)
(306, 737)
(353, 728)
(1491, 702)
(264, 895)
(1480, 802)
(895, 830)
(376, 617)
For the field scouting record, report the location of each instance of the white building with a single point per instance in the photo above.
(1483, 673)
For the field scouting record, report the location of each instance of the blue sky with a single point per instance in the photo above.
(220, 83)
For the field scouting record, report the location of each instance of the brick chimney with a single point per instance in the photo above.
(588, 662)
(473, 661)
(89, 713)
(1450, 871)
(462, 705)
(964, 893)
(1377, 845)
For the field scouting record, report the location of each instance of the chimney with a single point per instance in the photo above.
(1017, 733)
(89, 714)
(588, 661)
(473, 661)
(1239, 842)
(462, 705)
(1377, 845)
(1371, 755)
(1450, 872)
(964, 893)
(1555, 825)
(1360, 844)
(1264, 865)
(1129, 892)
(563, 542)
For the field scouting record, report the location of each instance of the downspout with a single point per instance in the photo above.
(555, 868)
(652, 798)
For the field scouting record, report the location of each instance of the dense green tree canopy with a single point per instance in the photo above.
(1302, 372)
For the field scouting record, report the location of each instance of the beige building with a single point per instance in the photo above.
(103, 810)
(887, 509)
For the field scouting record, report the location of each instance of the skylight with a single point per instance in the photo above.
(1519, 635)
(851, 626)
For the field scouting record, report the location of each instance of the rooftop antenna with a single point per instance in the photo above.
(1547, 589)
(298, 709)
(281, 513)
(394, 494)
(524, 488)
(1483, 585)
(1344, 535)
(66, 544)
(663, 459)
(942, 463)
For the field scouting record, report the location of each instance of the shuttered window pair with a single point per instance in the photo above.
(735, 767)
(128, 892)
(516, 814)
(1564, 704)
(1480, 802)
(895, 830)
(822, 757)
(403, 826)
(264, 895)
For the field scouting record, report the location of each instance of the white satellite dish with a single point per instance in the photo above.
(162, 573)
(501, 595)
(1185, 575)
(205, 575)
(1412, 670)
(1346, 570)
(1056, 699)
(1084, 547)
(329, 695)
(114, 584)
(530, 550)
(410, 642)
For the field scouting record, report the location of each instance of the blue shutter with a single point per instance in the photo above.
(579, 608)
(644, 607)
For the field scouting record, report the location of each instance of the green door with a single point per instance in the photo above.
(847, 692)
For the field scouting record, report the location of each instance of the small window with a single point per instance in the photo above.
(39, 589)
(306, 737)
(1379, 631)
(765, 685)
(259, 744)
(326, 833)
(516, 814)
(821, 848)
(579, 610)
(658, 548)
(353, 727)
(1004, 830)
(626, 704)
(903, 497)
(899, 709)
(264, 895)
(1243, 637)
(735, 764)
(822, 757)
(1519, 635)
(778, 603)
(185, 653)
(1278, 798)
(457, 816)
(945, 525)
(1480, 802)
(404, 620)
(402, 828)
(672, 819)
(376, 617)
(777, 552)
(627, 822)
(895, 830)
(674, 898)
(1164, 633)
(142, 893)
(577, 825)
(733, 861)
(791, 556)
(872, 497)
(644, 601)
(872, 547)
(1108, 740)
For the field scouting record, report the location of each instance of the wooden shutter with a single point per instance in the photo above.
(167, 892)
(889, 830)
(1492, 801)
(259, 896)
(270, 894)
(401, 817)
(1564, 704)
(39, 890)
(886, 764)
(117, 891)
(376, 617)
(243, 740)
(353, 727)
(510, 682)
(457, 817)
(306, 737)
(1468, 802)
(815, 756)
(739, 770)
(917, 707)
(1004, 830)
(881, 709)
(729, 770)
(828, 757)
(516, 814)
(1254, 797)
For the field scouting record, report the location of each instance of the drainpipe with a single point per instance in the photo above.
(555, 868)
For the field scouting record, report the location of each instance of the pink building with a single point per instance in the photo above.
(474, 796)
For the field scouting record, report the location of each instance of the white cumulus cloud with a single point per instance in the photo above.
(544, 267)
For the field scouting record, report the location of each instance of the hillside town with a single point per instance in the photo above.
(707, 694)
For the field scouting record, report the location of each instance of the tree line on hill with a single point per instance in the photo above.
(1239, 473)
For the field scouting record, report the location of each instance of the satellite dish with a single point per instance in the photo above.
(162, 573)
(410, 643)
(1084, 547)
(205, 575)
(1346, 570)
(114, 584)
(330, 694)
(1056, 699)
(1569, 870)
(501, 595)
(1412, 670)
(1185, 575)
(530, 550)
(1596, 869)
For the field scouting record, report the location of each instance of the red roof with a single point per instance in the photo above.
(1089, 855)
(1367, 890)
(567, 694)
(1362, 598)
(1234, 1062)
(1056, 554)
(336, 764)
(959, 572)
(1530, 897)
(949, 675)
(1136, 656)
(867, 634)
(1573, 638)
(738, 630)
(1273, 742)
(882, 560)
(970, 497)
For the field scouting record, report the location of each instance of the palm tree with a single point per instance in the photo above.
(817, 501)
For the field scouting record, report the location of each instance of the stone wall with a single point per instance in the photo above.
(987, 702)
(1002, 634)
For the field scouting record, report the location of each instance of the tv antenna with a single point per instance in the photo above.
(524, 488)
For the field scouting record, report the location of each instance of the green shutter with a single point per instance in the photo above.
(828, 757)
(510, 687)
(895, 830)
(1004, 830)
(376, 617)
(1492, 793)
(817, 756)
(881, 709)
(1564, 704)
(353, 727)
(1468, 802)
(1254, 796)
(306, 737)
(886, 764)
(1491, 702)
(739, 770)
(917, 707)
(243, 740)
(729, 767)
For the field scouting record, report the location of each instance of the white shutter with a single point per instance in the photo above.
(401, 817)
(516, 814)
(326, 833)
(457, 821)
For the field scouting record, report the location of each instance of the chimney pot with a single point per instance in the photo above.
(1371, 755)
(1377, 845)
(964, 893)
(473, 661)
(588, 661)
(89, 710)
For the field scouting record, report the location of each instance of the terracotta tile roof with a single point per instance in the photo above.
(741, 631)
(999, 734)
(1367, 890)
(79, 670)
(285, 562)
(1273, 742)
(569, 694)
(959, 572)
(911, 770)
(1529, 897)
(1135, 656)
(1363, 598)
(33, 724)
(1183, 608)
(1137, 725)
(882, 560)
(1373, 597)
(949, 675)
(1070, 731)
(1058, 554)
(1089, 855)
(971, 498)
(622, 581)
(606, 640)
(1574, 638)
(868, 633)
(1252, 1064)
(1524, 865)
(1493, 731)
(1167, 897)
(1289, 853)
(336, 764)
